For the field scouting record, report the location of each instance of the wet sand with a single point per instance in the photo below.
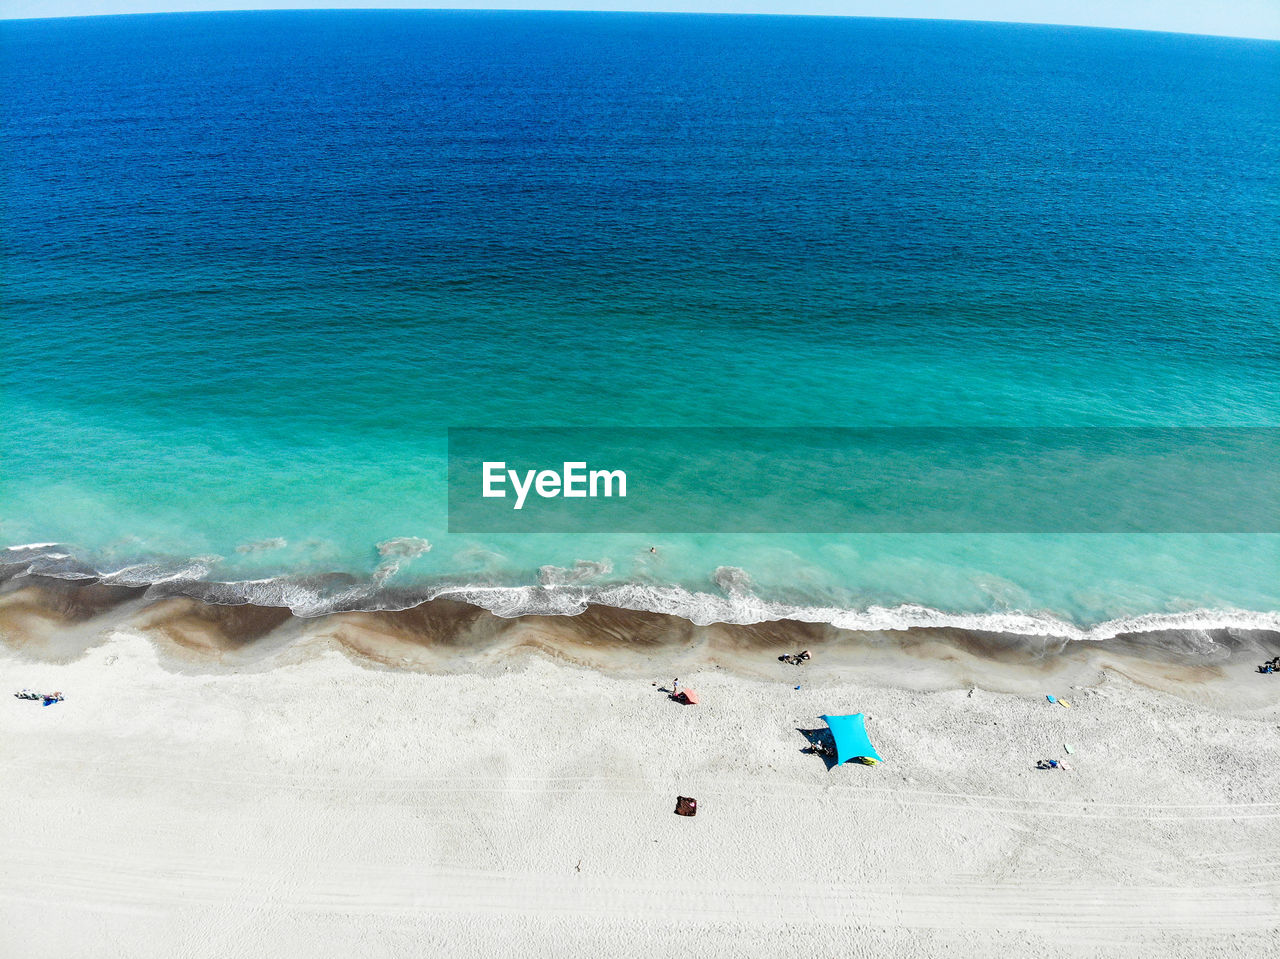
(59, 620)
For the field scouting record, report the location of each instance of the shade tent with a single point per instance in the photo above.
(850, 734)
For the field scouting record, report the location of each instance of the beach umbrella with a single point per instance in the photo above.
(687, 696)
(850, 734)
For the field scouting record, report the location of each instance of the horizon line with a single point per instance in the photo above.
(643, 11)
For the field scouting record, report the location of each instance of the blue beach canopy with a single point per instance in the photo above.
(850, 733)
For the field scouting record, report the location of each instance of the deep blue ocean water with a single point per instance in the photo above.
(255, 265)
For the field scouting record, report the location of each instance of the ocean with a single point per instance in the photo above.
(256, 266)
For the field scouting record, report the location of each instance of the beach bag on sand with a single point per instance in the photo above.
(686, 806)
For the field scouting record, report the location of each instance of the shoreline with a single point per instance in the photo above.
(318, 596)
(61, 621)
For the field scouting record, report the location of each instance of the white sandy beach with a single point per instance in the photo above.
(323, 807)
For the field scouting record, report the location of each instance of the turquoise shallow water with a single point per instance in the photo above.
(255, 265)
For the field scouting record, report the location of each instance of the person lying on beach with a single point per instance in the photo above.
(37, 697)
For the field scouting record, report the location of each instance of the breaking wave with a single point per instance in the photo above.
(732, 579)
(582, 571)
(395, 553)
(404, 547)
(563, 592)
(263, 545)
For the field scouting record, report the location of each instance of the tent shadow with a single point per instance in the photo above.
(820, 737)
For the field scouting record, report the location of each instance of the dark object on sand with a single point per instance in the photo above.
(686, 697)
(1270, 666)
(686, 806)
(795, 659)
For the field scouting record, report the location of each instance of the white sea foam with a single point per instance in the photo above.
(156, 574)
(704, 609)
(318, 596)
